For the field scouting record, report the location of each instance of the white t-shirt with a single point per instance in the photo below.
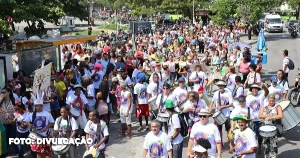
(198, 105)
(161, 100)
(202, 77)
(25, 100)
(209, 132)
(255, 102)
(162, 77)
(241, 111)
(141, 91)
(73, 98)
(91, 129)
(244, 141)
(284, 84)
(225, 99)
(286, 62)
(278, 91)
(230, 79)
(254, 78)
(42, 120)
(157, 145)
(17, 98)
(173, 124)
(65, 127)
(91, 93)
(98, 78)
(20, 119)
(152, 89)
(125, 103)
(181, 93)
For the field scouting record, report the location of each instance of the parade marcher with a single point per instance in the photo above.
(125, 107)
(157, 143)
(200, 149)
(271, 115)
(285, 68)
(77, 102)
(276, 89)
(153, 90)
(180, 94)
(283, 82)
(245, 144)
(252, 77)
(206, 130)
(223, 101)
(174, 128)
(230, 78)
(40, 121)
(97, 130)
(65, 127)
(97, 76)
(255, 101)
(142, 107)
(237, 91)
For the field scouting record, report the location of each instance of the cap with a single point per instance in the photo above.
(274, 79)
(39, 102)
(221, 83)
(140, 76)
(169, 104)
(199, 148)
(241, 117)
(241, 98)
(97, 66)
(181, 79)
(97, 52)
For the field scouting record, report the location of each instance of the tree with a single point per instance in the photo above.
(4, 27)
(222, 10)
(295, 4)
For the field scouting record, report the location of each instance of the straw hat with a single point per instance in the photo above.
(204, 112)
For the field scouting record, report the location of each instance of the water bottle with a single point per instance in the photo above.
(265, 57)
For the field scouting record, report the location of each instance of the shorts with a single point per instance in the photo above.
(144, 110)
(41, 148)
(81, 121)
(227, 126)
(126, 120)
(256, 126)
(90, 107)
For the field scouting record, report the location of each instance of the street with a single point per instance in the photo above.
(288, 145)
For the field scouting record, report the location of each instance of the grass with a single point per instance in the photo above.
(83, 32)
(113, 27)
(287, 17)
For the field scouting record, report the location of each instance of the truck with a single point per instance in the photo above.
(273, 23)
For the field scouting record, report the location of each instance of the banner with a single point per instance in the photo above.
(42, 79)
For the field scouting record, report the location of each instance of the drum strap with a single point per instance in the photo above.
(248, 117)
(69, 126)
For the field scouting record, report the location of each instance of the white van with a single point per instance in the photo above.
(273, 23)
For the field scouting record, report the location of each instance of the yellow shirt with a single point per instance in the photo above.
(61, 87)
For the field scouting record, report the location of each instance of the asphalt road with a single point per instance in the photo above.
(289, 145)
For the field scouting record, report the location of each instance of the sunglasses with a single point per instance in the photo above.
(204, 116)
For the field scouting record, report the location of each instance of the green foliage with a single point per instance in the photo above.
(4, 27)
(223, 9)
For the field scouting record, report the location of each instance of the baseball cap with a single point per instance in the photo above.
(274, 79)
(181, 79)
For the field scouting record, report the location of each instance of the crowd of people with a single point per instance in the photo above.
(165, 82)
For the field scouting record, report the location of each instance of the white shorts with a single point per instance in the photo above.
(82, 121)
(126, 120)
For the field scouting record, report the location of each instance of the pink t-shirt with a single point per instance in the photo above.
(244, 67)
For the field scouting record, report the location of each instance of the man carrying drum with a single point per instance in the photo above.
(153, 90)
(223, 101)
(77, 103)
(255, 100)
(277, 90)
(180, 94)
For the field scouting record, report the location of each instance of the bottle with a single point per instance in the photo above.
(265, 57)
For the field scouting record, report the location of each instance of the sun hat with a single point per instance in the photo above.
(204, 112)
(169, 104)
(78, 86)
(241, 117)
(221, 83)
(255, 86)
(274, 79)
(199, 148)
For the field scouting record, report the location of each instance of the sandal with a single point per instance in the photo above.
(140, 129)
(128, 137)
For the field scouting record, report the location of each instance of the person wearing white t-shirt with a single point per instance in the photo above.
(230, 78)
(154, 88)
(40, 121)
(65, 127)
(276, 89)
(157, 143)
(255, 101)
(245, 144)
(199, 79)
(140, 93)
(252, 77)
(91, 101)
(125, 107)
(174, 128)
(162, 77)
(223, 101)
(285, 64)
(180, 94)
(283, 82)
(97, 76)
(97, 130)
(77, 103)
(237, 91)
(206, 130)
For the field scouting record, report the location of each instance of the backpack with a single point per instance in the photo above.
(291, 64)
(184, 131)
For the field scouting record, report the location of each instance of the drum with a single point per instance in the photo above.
(163, 117)
(152, 102)
(91, 152)
(60, 149)
(219, 118)
(34, 135)
(291, 117)
(75, 113)
(182, 105)
(268, 131)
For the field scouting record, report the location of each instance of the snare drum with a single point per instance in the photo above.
(291, 118)
(152, 102)
(163, 117)
(75, 113)
(268, 131)
(34, 135)
(60, 149)
(219, 118)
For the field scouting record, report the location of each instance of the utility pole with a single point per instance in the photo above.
(193, 11)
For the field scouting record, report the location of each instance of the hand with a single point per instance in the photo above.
(137, 107)
(86, 147)
(150, 108)
(43, 129)
(220, 107)
(96, 146)
(231, 150)
(189, 155)
(268, 118)
(126, 114)
(239, 156)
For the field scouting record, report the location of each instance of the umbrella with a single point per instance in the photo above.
(242, 45)
(261, 41)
